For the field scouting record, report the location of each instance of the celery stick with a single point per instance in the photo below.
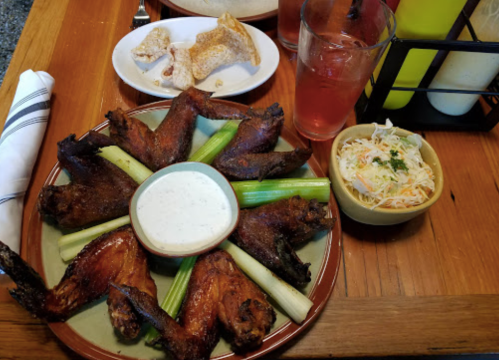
(175, 295)
(70, 253)
(254, 193)
(216, 143)
(70, 245)
(293, 302)
(135, 169)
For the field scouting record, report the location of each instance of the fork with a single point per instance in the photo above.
(141, 17)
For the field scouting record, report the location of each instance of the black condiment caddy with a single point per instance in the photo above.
(419, 114)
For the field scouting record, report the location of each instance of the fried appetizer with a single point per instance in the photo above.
(248, 156)
(98, 191)
(268, 232)
(227, 44)
(113, 257)
(171, 141)
(152, 47)
(218, 295)
(179, 68)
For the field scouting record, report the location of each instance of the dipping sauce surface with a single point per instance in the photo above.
(183, 211)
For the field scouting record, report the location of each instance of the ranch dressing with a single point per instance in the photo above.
(183, 211)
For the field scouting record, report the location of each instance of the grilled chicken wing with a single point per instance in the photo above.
(99, 190)
(248, 156)
(171, 141)
(113, 257)
(267, 233)
(218, 293)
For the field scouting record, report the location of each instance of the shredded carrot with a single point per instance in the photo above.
(364, 181)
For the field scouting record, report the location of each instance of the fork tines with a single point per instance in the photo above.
(139, 22)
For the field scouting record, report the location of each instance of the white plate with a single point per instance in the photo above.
(242, 9)
(237, 78)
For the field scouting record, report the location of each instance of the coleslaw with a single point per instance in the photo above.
(387, 170)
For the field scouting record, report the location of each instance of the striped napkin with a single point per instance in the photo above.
(19, 144)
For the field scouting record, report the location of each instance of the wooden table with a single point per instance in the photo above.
(429, 286)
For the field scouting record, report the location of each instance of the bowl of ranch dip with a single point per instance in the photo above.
(184, 210)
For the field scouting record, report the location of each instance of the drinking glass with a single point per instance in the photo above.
(340, 43)
(288, 23)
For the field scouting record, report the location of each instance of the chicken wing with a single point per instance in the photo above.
(171, 141)
(267, 233)
(248, 156)
(218, 294)
(98, 191)
(113, 257)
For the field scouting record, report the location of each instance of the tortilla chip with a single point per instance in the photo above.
(179, 68)
(227, 44)
(152, 47)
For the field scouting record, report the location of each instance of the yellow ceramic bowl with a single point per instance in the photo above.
(351, 205)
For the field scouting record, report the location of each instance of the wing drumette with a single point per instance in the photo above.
(171, 141)
(113, 257)
(267, 233)
(248, 156)
(98, 190)
(218, 294)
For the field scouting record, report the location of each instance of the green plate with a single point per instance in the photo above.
(89, 332)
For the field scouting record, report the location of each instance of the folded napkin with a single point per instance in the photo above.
(19, 144)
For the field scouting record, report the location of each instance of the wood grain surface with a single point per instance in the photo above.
(429, 286)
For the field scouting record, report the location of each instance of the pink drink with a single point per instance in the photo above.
(329, 80)
(340, 44)
(288, 23)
